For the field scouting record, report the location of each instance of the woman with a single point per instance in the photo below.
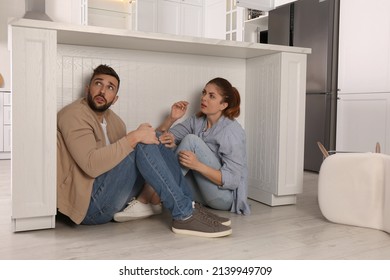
(211, 147)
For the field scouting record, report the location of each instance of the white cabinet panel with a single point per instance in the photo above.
(106, 13)
(7, 138)
(7, 115)
(191, 20)
(33, 128)
(215, 19)
(7, 99)
(168, 17)
(363, 120)
(70, 11)
(1, 123)
(180, 17)
(275, 102)
(364, 47)
(146, 15)
(5, 124)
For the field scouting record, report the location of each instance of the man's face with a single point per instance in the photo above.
(101, 92)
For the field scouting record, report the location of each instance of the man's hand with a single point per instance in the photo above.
(145, 134)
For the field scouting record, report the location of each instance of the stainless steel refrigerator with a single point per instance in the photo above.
(313, 24)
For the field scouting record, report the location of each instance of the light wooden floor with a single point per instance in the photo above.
(274, 233)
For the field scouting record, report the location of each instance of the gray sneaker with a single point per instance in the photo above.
(222, 220)
(199, 224)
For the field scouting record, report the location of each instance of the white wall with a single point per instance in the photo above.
(150, 81)
(8, 9)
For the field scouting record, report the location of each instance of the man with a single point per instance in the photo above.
(100, 166)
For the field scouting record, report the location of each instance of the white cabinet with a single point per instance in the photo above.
(234, 21)
(34, 54)
(363, 120)
(275, 110)
(5, 124)
(363, 76)
(253, 27)
(70, 11)
(263, 5)
(180, 17)
(191, 18)
(108, 13)
(145, 13)
(215, 19)
(364, 47)
(168, 17)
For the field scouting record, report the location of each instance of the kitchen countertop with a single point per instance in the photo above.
(146, 41)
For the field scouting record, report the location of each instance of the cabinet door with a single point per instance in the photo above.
(168, 17)
(191, 20)
(146, 15)
(363, 120)
(1, 122)
(274, 125)
(34, 57)
(7, 138)
(73, 11)
(364, 46)
(215, 19)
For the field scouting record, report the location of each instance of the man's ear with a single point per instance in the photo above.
(115, 99)
(86, 90)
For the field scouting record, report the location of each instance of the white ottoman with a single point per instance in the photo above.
(354, 189)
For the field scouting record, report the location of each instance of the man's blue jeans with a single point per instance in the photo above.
(154, 164)
(204, 191)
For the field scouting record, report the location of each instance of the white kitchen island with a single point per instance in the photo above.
(51, 64)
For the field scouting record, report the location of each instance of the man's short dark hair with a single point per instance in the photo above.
(106, 70)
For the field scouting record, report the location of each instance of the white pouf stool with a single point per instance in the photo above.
(354, 189)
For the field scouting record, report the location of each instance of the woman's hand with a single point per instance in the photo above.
(178, 110)
(188, 159)
(168, 139)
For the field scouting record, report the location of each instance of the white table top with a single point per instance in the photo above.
(127, 39)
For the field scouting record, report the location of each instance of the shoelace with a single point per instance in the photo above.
(207, 218)
(130, 204)
(205, 211)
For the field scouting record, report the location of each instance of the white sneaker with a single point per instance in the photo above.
(137, 210)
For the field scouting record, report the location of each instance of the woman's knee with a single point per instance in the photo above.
(190, 139)
(190, 142)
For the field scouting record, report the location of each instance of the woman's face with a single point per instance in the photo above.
(211, 102)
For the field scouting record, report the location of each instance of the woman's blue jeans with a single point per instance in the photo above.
(154, 164)
(204, 191)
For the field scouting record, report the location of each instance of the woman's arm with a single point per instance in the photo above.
(233, 156)
(178, 110)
